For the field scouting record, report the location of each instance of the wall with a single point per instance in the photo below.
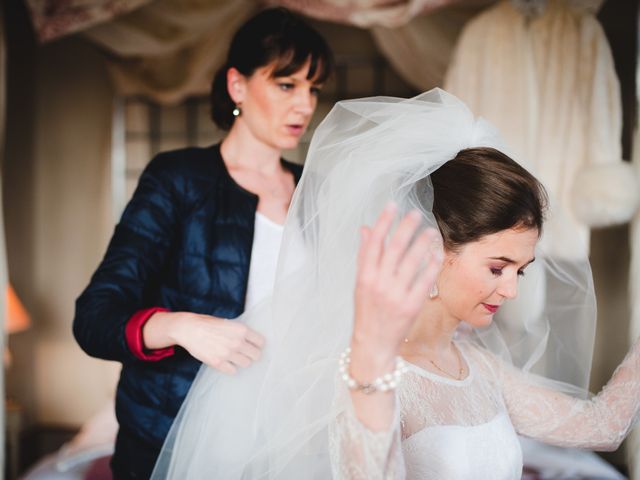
(56, 201)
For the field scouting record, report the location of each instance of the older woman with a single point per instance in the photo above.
(198, 242)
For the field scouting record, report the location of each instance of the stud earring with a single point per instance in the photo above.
(434, 291)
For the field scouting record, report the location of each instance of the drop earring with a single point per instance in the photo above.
(236, 111)
(434, 291)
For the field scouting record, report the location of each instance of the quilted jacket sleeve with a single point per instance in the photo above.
(136, 253)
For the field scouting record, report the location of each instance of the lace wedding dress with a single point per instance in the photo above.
(464, 429)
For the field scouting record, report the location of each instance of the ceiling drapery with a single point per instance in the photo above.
(170, 49)
(54, 18)
(370, 13)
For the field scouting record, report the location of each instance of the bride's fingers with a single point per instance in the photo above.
(396, 247)
(372, 248)
(414, 259)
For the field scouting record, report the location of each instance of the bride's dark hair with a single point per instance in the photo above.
(483, 191)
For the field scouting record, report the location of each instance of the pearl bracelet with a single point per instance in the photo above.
(384, 383)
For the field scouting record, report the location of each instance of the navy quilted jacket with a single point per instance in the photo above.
(183, 243)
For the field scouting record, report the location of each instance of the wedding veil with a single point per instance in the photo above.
(271, 420)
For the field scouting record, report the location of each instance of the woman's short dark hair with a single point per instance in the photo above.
(483, 191)
(275, 36)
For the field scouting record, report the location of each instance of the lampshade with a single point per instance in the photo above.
(17, 316)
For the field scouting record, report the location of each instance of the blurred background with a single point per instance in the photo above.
(93, 89)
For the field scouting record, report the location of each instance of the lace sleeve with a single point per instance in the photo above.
(358, 453)
(600, 423)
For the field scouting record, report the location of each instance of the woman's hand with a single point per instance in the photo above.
(225, 345)
(392, 285)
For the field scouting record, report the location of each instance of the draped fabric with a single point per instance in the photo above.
(53, 18)
(369, 13)
(421, 50)
(163, 49)
(550, 86)
(169, 49)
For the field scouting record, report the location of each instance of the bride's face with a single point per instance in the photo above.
(478, 278)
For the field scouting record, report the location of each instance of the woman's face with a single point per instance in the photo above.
(275, 110)
(477, 279)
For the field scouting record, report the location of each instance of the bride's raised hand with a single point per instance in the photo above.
(393, 281)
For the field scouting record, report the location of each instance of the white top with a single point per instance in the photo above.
(267, 238)
(466, 429)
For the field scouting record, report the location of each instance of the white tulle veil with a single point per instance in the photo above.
(271, 420)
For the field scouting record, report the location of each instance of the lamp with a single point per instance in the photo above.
(17, 319)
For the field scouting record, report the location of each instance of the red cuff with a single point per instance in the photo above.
(133, 334)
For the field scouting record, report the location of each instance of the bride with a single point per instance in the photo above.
(413, 376)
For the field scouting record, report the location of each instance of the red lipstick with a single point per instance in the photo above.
(491, 308)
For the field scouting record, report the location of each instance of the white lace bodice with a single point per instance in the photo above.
(488, 450)
(466, 429)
